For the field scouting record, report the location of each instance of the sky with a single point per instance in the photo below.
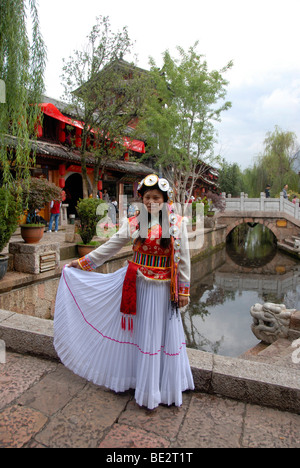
(261, 37)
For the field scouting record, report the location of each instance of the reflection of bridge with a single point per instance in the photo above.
(278, 276)
(280, 215)
(274, 284)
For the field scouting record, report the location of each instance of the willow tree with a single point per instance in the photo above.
(278, 164)
(22, 64)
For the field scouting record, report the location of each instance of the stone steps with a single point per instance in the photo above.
(279, 353)
(289, 245)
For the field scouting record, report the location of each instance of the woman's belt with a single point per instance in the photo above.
(154, 261)
(140, 261)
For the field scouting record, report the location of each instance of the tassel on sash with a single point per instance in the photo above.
(129, 320)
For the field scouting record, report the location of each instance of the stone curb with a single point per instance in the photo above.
(239, 379)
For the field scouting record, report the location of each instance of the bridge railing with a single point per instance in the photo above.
(262, 204)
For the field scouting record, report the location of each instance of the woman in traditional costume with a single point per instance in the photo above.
(123, 330)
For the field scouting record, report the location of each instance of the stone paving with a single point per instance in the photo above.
(44, 405)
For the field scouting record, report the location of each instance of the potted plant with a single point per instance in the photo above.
(87, 213)
(36, 194)
(8, 224)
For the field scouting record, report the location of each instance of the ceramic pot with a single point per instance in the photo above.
(85, 249)
(3, 266)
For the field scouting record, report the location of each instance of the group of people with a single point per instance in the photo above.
(284, 191)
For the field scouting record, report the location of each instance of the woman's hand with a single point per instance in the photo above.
(74, 264)
(183, 301)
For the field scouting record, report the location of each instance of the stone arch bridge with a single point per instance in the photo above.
(280, 215)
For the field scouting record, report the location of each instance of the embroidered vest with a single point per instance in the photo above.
(153, 261)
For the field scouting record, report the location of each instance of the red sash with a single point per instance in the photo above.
(128, 303)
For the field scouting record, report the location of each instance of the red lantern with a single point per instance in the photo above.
(62, 183)
(39, 131)
(126, 157)
(78, 142)
(62, 169)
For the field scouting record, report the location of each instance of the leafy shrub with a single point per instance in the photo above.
(38, 193)
(218, 202)
(87, 213)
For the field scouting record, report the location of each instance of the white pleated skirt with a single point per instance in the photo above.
(90, 341)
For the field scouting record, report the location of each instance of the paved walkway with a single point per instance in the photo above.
(45, 405)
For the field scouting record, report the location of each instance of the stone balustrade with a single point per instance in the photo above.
(262, 204)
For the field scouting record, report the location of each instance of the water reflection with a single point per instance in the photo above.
(251, 245)
(223, 290)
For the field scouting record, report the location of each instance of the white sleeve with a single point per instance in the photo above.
(103, 253)
(184, 266)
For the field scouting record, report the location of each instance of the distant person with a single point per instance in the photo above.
(132, 209)
(36, 218)
(285, 188)
(55, 213)
(294, 199)
(106, 196)
(267, 191)
(112, 210)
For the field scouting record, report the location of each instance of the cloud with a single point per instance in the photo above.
(282, 101)
(257, 107)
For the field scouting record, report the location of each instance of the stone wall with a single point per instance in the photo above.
(37, 300)
(37, 297)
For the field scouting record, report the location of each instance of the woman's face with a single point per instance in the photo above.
(153, 201)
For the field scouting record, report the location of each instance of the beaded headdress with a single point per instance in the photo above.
(153, 180)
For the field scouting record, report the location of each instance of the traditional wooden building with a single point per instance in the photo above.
(207, 181)
(58, 158)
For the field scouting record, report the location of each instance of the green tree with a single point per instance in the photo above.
(255, 180)
(104, 92)
(276, 165)
(22, 64)
(230, 178)
(279, 158)
(179, 118)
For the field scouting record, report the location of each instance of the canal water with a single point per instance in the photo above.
(226, 284)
